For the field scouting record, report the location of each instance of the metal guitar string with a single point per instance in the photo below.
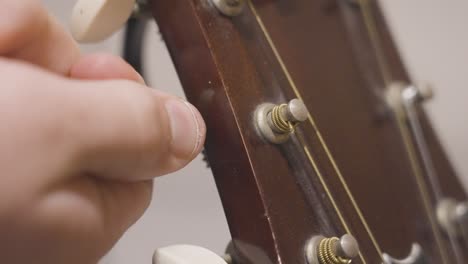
(406, 135)
(423, 189)
(421, 144)
(386, 75)
(327, 190)
(323, 144)
(464, 230)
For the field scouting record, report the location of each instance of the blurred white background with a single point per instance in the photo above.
(433, 40)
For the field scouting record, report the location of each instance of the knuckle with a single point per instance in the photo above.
(26, 19)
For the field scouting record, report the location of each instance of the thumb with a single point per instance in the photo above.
(177, 113)
(123, 128)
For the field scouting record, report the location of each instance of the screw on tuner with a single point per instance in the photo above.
(276, 123)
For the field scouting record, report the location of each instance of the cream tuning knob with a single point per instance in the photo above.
(95, 20)
(452, 215)
(333, 250)
(347, 247)
(462, 213)
(186, 254)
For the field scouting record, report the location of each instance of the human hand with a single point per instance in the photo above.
(79, 144)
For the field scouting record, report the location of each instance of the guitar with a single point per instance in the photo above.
(317, 139)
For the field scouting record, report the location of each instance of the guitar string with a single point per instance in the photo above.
(423, 189)
(430, 169)
(375, 40)
(404, 130)
(327, 190)
(464, 230)
(319, 136)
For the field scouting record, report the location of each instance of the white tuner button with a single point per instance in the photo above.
(95, 20)
(186, 254)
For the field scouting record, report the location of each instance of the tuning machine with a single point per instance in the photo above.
(334, 250)
(400, 95)
(452, 216)
(416, 256)
(276, 123)
(230, 7)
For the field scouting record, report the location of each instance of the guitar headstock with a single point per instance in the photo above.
(344, 171)
(341, 178)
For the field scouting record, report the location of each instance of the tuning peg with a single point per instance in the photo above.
(95, 20)
(276, 123)
(186, 254)
(333, 250)
(452, 215)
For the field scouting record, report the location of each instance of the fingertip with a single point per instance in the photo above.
(201, 130)
(187, 129)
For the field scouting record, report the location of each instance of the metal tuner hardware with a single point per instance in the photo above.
(452, 216)
(230, 7)
(334, 250)
(401, 95)
(276, 123)
(416, 256)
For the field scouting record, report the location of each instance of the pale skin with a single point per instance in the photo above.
(81, 139)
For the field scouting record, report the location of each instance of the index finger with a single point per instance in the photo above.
(29, 33)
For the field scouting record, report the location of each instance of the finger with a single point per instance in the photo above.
(29, 33)
(106, 210)
(124, 128)
(103, 67)
(112, 128)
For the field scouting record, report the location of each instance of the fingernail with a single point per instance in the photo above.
(187, 128)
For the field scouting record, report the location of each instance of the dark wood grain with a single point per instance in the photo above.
(274, 198)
